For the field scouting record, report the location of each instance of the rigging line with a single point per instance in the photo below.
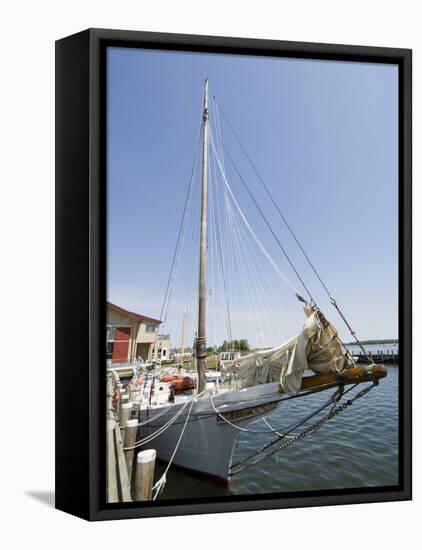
(253, 310)
(165, 426)
(333, 302)
(261, 246)
(218, 230)
(272, 428)
(219, 134)
(332, 299)
(220, 254)
(287, 430)
(238, 279)
(235, 285)
(152, 418)
(334, 411)
(269, 226)
(334, 398)
(212, 245)
(159, 486)
(223, 148)
(202, 416)
(241, 275)
(187, 217)
(158, 432)
(191, 230)
(222, 271)
(260, 273)
(193, 311)
(260, 283)
(180, 232)
(248, 280)
(220, 276)
(240, 428)
(276, 302)
(289, 440)
(254, 264)
(191, 277)
(269, 194)
(257, 283)
(248, 268)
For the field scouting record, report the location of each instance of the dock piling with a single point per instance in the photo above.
(124, 415)
(122, 473)
(112, 492)
(129, 440)
(145, 465)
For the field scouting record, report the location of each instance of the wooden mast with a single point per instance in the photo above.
(201, 353)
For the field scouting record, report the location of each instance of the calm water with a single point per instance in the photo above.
(358, 448)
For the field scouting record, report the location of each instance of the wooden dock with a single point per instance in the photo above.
(123, 483)
(118, 486)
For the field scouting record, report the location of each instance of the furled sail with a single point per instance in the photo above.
(317, 348)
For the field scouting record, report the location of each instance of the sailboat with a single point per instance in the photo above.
(198, 430)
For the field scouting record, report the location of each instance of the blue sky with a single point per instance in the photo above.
(323, 135)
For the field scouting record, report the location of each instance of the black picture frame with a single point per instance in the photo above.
(81, 271)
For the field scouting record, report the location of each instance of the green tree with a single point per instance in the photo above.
(224, 346)
(244, 345)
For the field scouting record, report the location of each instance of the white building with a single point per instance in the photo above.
(160, 350)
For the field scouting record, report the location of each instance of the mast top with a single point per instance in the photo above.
(205, 113)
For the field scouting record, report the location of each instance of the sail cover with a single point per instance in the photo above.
(317, 348)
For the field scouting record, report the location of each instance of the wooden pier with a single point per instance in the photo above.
(129, 475)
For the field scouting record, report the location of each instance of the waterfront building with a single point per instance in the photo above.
(130, 335)
(160, 351)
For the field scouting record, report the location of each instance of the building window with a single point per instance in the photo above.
(150, 328)
(164, 352)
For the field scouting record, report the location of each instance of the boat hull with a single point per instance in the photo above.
(208, 441)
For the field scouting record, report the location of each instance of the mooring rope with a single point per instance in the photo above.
(272, 430)
(247, 430)
(149, 420)
(160, 484)
(164, 427)
(158, 432)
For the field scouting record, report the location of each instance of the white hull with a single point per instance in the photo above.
(208, 441)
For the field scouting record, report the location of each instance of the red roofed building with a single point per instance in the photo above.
(129, 335)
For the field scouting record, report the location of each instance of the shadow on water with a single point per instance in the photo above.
(45, 497)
